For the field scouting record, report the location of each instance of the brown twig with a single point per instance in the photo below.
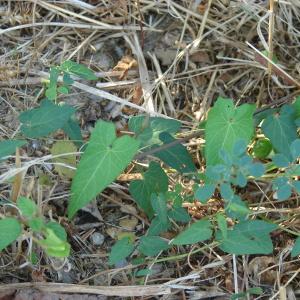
(121, 291)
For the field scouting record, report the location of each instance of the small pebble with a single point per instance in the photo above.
(97, 239)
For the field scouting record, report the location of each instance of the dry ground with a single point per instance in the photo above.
(169, 57)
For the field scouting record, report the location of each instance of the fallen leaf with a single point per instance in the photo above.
(129, 223)
(125, 64)
(64, 147)
(113, 232)
(257, 267)
(126, 208)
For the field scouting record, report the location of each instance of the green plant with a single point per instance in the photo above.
(51, 236)
(228, 133)
(230, 164)
(36, 123)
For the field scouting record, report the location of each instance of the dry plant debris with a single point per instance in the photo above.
(171, 58)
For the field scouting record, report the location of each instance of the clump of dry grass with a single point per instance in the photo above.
(180, 55)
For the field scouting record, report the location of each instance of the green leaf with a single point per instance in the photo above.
(243, 295)
(222, 224)
(54, 246)
(141, 192)
(215, 173)
(240, 179)
(60, 148)
(63, 89)
(255, 291)
(104, 159)
(159, 205)
(296, 248)
(256, 169)
(226, 157)
(280, 160)
(152, 245)
(293, 170)
(197, 232)
(148, 129)
(237, 208)
(51, 93)
(296, 185)
(296, 107)
(36, 224)
(284, 192)
(67, 79)
(120, 250)
(260, 116)
(54, 73)
(72, 129)
(225, 126)
(282, 188)
(248, 237)
(157, 227)
(27, 207)
(78, 69)
(281, 130)
(138, 260)
(262, 148)
(10, 229)
(176, 156)
(203, 193)
(179, 214)
(157, 178)
(144, 272)
(8, 147)
(45, 119)
(226, 191)
(58, 230)
(33, 258)
(155, 181)
(295, 149)
(239, 148)
(274, 58)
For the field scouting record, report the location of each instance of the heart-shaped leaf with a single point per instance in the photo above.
(105, 157)
(225, 126)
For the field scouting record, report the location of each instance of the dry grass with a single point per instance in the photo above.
(187, 54)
